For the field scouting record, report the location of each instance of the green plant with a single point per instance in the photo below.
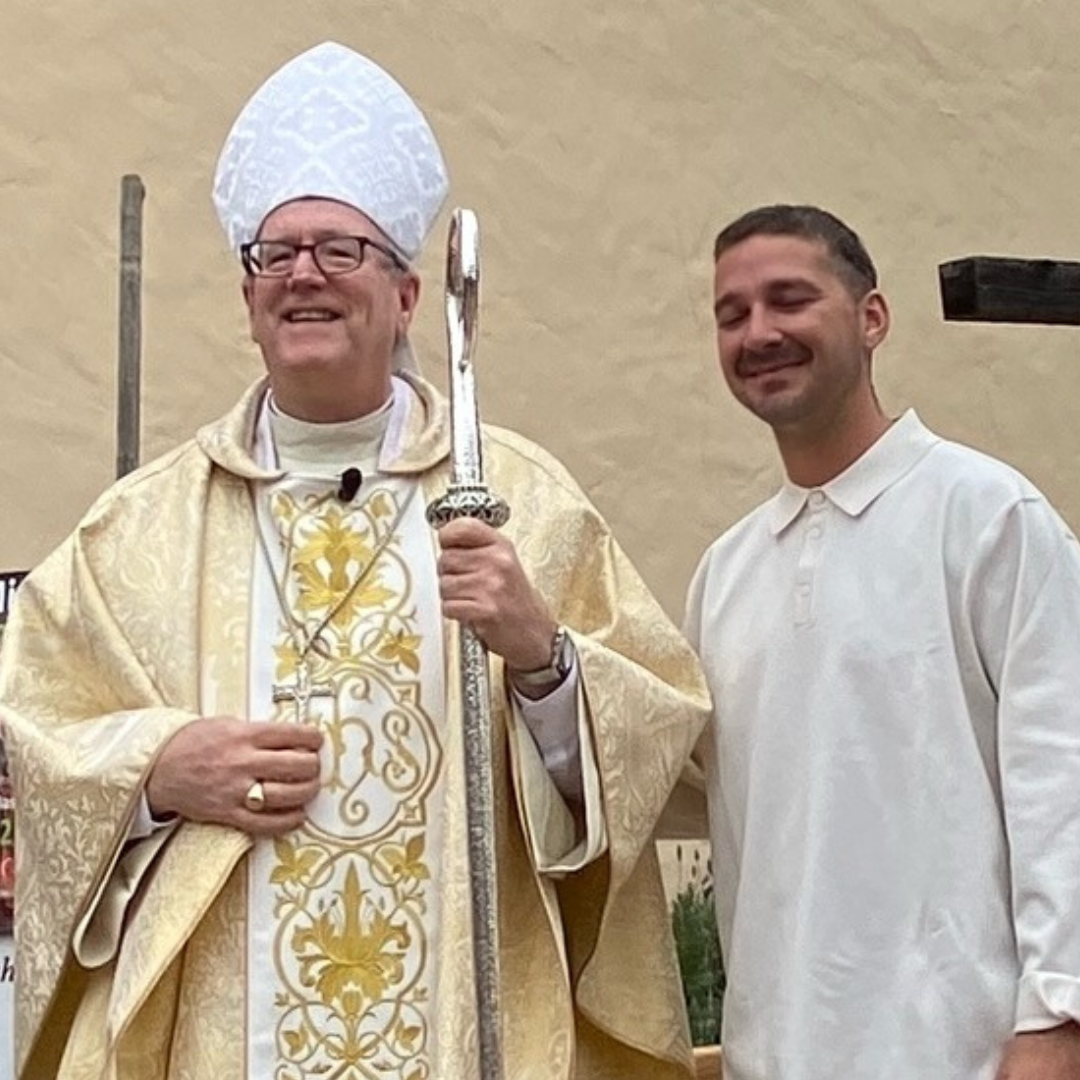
(697, 943)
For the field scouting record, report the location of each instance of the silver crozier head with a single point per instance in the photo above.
(462, 310)
(462, 287)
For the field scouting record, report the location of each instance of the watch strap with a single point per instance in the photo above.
(558, 666)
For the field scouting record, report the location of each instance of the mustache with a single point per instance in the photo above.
(751, 361)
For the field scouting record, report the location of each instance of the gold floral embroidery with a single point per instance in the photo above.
(405, 863)
(333, 555)
(401, 648)
(294, 864)
(352, 961)
(351, 886)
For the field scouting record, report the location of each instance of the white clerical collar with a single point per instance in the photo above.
(899, 449)
(327, 449)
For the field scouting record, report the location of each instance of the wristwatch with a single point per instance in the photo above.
(558, 667)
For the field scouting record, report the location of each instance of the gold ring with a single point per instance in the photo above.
(255, 799)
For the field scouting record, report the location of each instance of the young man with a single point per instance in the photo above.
(894, 768)
(231, 706)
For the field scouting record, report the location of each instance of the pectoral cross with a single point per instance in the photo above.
(301, 692)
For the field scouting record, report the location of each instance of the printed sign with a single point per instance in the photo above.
(7, 1009)
(9, 582)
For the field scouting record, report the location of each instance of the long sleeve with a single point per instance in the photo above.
(1024, 596)
(101, 665)
(82, 722)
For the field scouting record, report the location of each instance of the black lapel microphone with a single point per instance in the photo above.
(351, 479)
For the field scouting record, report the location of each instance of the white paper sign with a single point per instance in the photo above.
(7, 1008)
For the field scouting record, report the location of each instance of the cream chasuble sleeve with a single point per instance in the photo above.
(97, 934)
(642, 704)
(101, 760)
(95, 648)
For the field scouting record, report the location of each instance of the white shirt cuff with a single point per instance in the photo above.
(1047, 999)
(144, 823)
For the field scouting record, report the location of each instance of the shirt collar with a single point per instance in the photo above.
(898, 450)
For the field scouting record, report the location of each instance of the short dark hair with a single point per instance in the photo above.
(849, 255)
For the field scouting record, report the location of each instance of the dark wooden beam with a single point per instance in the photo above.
(991, 288)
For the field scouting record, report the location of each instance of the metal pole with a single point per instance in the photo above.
(132, 194)
(468, 497)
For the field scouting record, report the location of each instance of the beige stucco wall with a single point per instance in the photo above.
(601, 142)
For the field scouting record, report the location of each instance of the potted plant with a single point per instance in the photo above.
(697, 943)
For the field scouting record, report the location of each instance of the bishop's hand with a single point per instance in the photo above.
(207, 770)
(483, 584)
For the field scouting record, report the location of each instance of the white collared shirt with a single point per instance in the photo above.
(894, 767)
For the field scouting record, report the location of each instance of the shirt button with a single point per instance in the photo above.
(817, 499)
(815, 532)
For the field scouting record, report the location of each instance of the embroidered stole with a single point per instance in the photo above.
(344, 911)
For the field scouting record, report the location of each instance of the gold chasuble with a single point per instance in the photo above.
(212, 582)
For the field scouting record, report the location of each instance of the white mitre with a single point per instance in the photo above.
(332, 124)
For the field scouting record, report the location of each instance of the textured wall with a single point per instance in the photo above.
(602, 142)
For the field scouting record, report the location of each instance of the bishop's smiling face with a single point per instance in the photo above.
(794, 340)
(329, 338)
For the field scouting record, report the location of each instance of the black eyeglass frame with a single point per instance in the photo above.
(251, 266)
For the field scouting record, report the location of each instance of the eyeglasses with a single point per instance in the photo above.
(333, 255)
